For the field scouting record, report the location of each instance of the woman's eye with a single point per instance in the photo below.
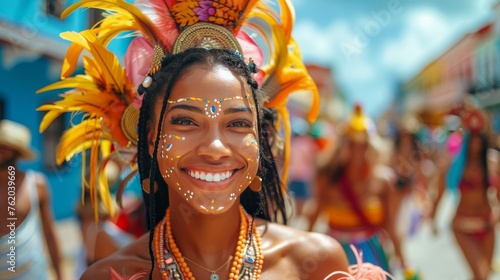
(182, 121)
(240, 123)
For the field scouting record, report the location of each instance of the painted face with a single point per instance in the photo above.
(208, 151)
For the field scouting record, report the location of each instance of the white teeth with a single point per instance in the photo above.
(210, 177)
(216, 177)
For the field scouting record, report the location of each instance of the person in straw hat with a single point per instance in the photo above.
(25, 208)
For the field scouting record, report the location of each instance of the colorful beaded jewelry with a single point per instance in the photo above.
(247, 260)
(212, 107)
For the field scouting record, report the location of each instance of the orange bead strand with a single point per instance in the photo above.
(164, 229)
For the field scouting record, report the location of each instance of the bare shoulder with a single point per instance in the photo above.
(131, 260)
(318, 254)
(41, 186)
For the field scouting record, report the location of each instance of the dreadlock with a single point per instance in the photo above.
(267, 204)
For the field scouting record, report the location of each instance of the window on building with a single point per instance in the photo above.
(54, 7)
(95, 15)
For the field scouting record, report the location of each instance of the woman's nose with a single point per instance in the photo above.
(214, 149)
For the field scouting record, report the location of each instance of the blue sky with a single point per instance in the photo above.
(373, 44)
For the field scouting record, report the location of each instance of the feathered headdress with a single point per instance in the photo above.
(107, 93)
(472, 118)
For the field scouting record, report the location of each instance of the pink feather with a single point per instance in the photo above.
(251, 50)
(163, 21)
(116, 276)
(362, 270)
(138, 59)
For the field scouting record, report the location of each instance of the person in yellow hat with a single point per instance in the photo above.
(25, 208)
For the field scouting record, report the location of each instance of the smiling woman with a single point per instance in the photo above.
(209, 179)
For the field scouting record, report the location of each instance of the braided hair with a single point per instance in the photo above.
(267, 204)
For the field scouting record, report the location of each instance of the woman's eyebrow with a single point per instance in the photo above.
(187, 107)
(239, 109)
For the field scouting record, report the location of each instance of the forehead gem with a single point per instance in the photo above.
(211, 106)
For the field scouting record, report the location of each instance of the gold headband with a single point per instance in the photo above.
(199, 35)
(206, 35)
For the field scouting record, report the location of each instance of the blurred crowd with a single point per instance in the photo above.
(375, 186)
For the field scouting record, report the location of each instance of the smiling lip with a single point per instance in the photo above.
(216, 180)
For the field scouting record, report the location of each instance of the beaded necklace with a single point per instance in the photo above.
(247, 260)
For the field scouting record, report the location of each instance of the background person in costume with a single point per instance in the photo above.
(26, 197)
(354, 191)
(410, 182)
(474, 223)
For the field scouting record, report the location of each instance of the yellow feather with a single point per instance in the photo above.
(80, 81)
(104, 191)
(91, 103)
(69, 63)
(248, 6)
(105, 148)
(118, 6)
(73, 53)
(283, 112)
(80, 138)
(48, 119)
(112, 71)
(278, 44)
(104, 60)
(293, 77)
(286, 15)
(80, 38)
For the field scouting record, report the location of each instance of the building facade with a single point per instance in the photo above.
(470, 67)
